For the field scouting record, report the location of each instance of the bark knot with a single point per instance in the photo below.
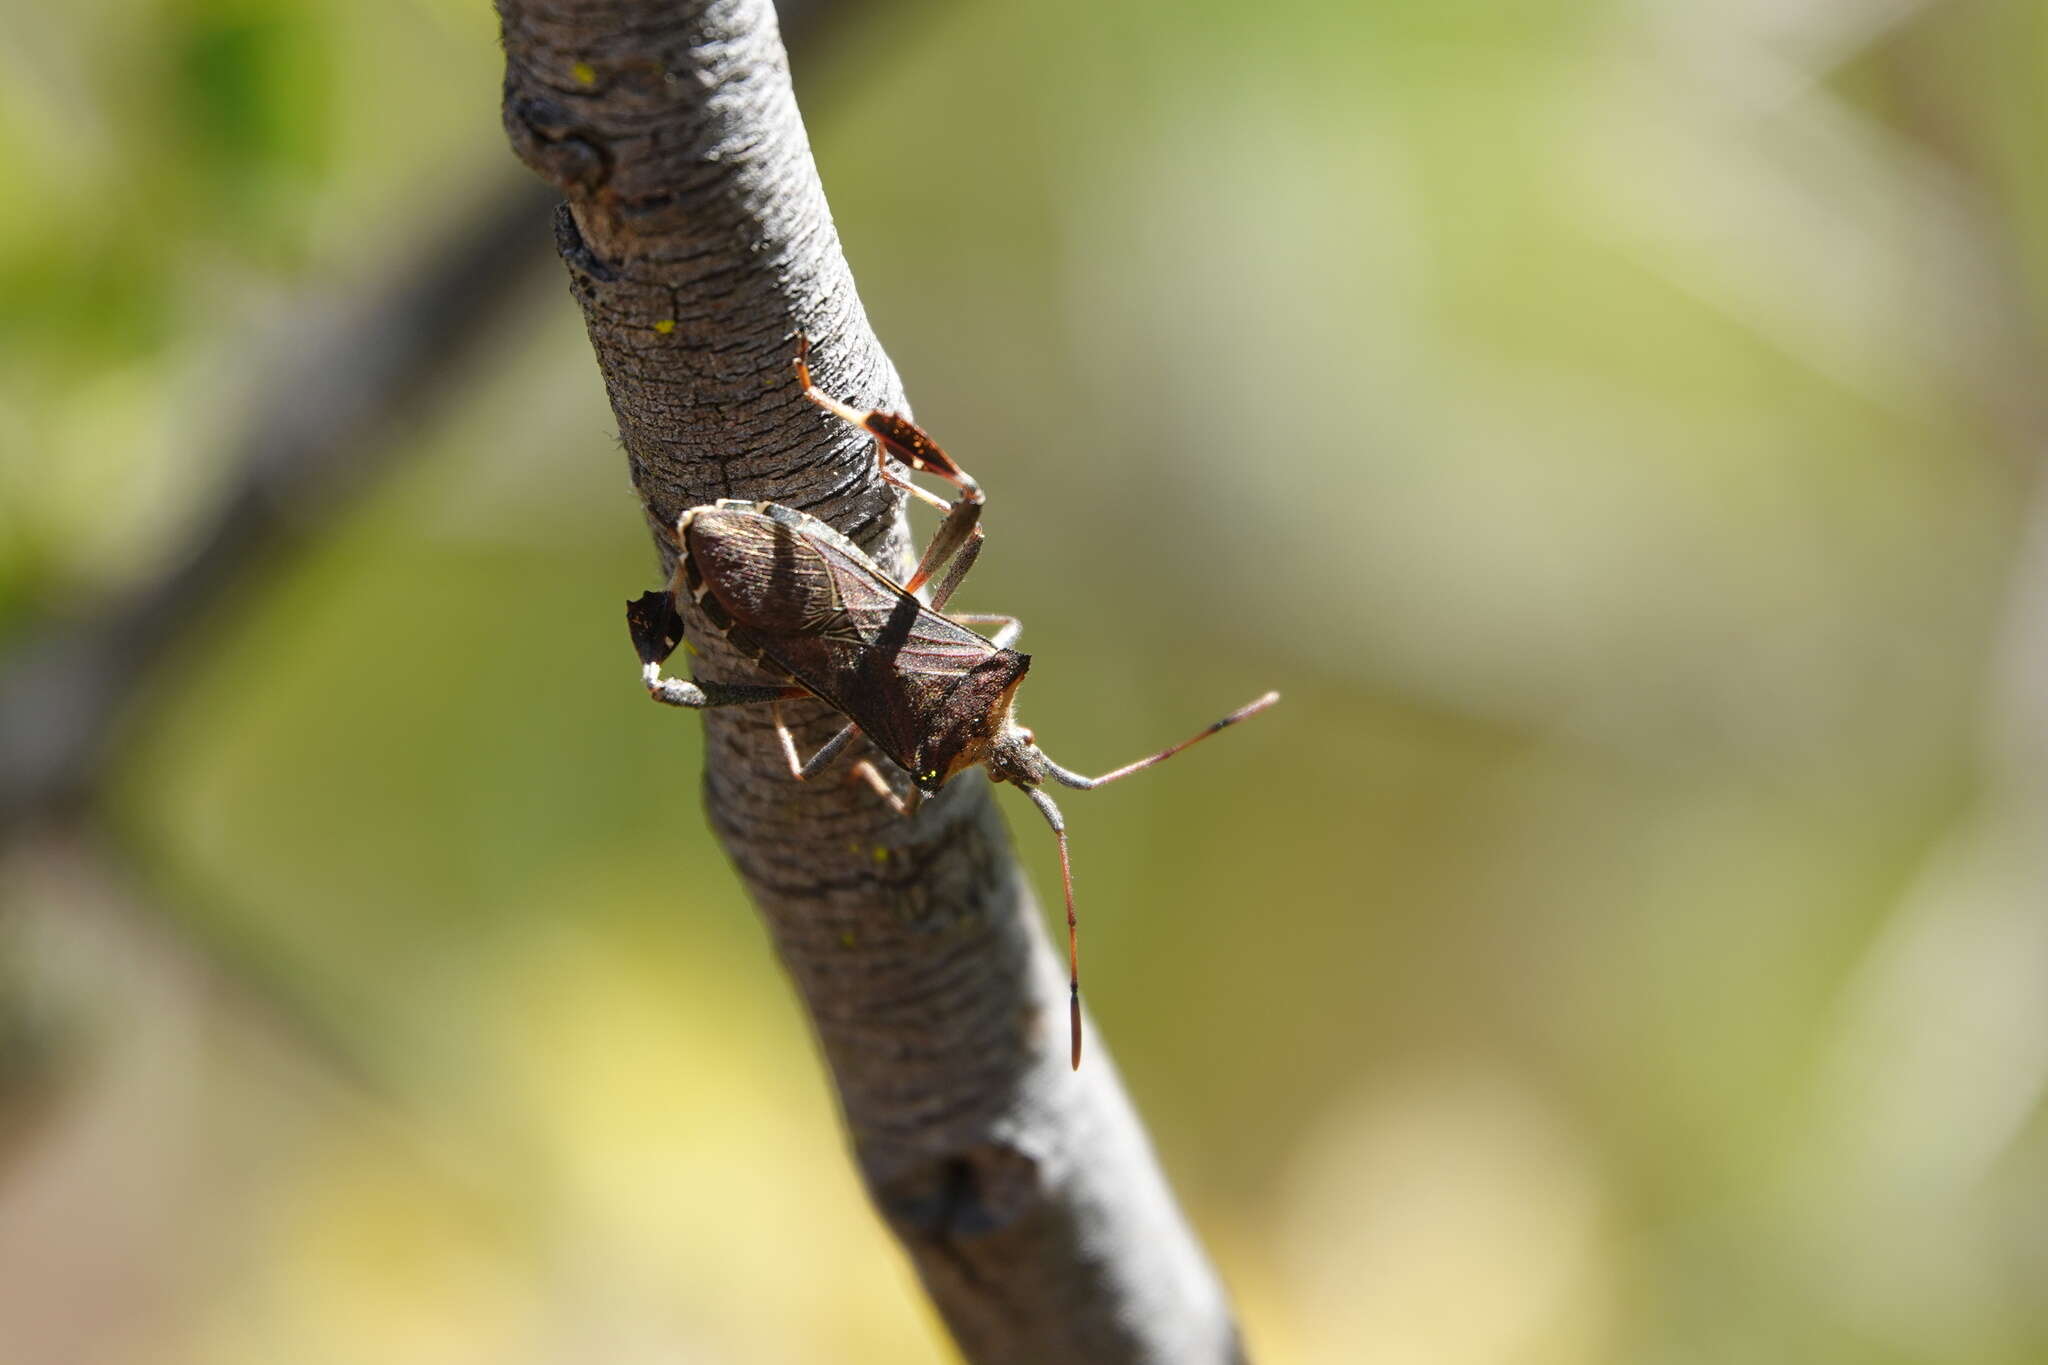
(559, 146)
(962, 1196)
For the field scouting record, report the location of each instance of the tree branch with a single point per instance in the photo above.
(698, 243)
(319, 434)
(318, 437)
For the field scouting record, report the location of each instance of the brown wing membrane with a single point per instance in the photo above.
(766, 576)
(811, 602)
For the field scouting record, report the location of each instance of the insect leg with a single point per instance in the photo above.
(703, 696)
(899, 436)
(1072, 779)
(959, 534)
(961, 565)
(866, 771)
(657, 630)
(1011, 627)
(800, 769)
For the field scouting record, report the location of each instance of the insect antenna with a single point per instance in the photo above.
(1073, 779)
(1051, 813)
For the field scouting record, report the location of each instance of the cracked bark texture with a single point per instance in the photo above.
(698, 242)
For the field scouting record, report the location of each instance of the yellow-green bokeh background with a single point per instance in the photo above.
(1614, 426)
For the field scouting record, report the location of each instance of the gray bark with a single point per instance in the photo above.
(698, 243)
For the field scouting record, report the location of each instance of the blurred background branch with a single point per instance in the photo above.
(329, 402)
(324, 428)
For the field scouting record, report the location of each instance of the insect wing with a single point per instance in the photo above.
(755, 575)
(886, 660)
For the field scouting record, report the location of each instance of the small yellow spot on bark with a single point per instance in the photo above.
(881, 854)
(665, 326)
(585, 73)
(846, 938)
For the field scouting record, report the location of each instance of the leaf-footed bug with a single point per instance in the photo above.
(808, 606)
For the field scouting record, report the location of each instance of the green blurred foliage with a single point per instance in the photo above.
(1615, 428)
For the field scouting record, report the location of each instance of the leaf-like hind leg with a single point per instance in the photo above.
(960, 533)
(656, 631)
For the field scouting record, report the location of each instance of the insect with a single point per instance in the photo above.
(810, 608)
